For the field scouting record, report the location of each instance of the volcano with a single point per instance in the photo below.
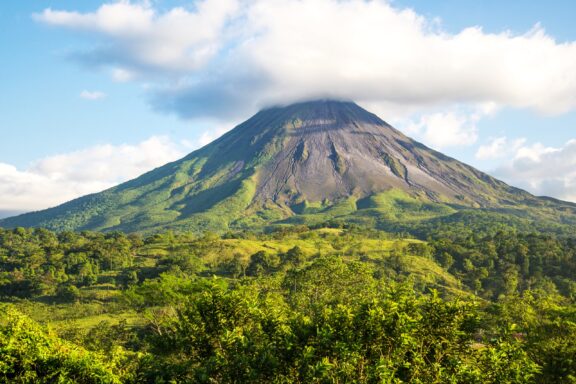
(305, 162)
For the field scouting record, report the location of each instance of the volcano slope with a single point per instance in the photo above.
(305, 163)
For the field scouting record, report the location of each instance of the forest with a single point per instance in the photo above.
(331, 303)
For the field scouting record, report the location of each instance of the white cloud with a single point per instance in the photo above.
(441, 130)
(92, 95)
(499, 147)
(59, 178)
(456, 126)
(534, 153)
(178, 40)
(235, 56)
(543, 170)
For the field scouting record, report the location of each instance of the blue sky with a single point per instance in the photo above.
(87, 86)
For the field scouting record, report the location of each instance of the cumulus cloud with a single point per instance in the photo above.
(499, 147)
(92, 95)
(59, 178)
(140, 38)
(444, 129)
(234, 56)
(543, 170)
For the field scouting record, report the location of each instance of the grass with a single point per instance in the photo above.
(88, 322)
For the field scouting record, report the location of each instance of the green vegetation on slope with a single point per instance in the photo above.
(306, 163)
(292, 305)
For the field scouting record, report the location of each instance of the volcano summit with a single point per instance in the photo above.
(304, 163)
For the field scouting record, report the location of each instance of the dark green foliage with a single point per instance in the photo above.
(67, 292)
(293, 257)
(547, 327)
(326, 281)
(28, 354)
(36, 262)
(390, 336)
(262, 263)
(294, 305)
(507, 262)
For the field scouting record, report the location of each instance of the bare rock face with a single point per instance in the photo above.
(329, 150)
(318, 153)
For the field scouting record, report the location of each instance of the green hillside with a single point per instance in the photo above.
(306, 163)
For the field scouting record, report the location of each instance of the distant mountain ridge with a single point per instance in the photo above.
(305, 162)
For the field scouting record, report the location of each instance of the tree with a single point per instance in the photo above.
(31, 355)
(236, 266)
(68, 292)
(295, 256)
(261, 263)
(420, 249)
